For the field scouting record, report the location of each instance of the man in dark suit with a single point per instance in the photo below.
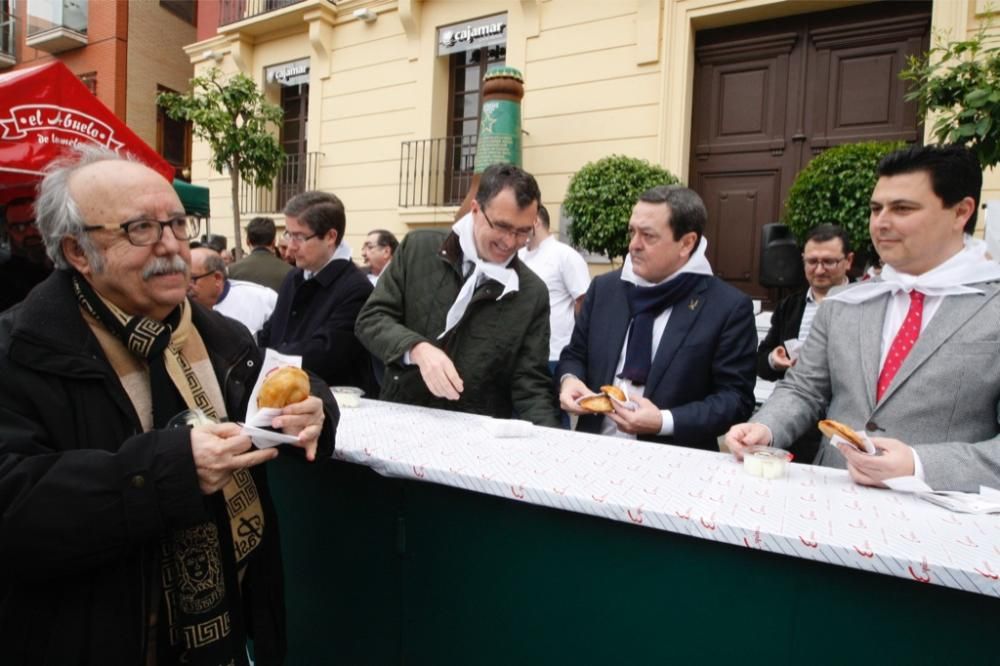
(678, 341)
(319, 302)
(262, 265)
(826, 258)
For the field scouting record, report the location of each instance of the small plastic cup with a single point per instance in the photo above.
(348, 397)
(766, 462)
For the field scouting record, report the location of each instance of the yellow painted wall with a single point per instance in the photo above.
(601, 77)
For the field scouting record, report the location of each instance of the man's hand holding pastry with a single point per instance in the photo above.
(645, 419)
(570, 392)
(219, 450)
(894, 459)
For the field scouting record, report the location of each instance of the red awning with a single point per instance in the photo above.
(43, 111)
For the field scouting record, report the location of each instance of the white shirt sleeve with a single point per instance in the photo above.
(575, 274)
(668, 422)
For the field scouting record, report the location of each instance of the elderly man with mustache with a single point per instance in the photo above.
(124, 540)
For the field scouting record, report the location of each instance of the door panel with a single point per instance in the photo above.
(738, 205)
(769, 96)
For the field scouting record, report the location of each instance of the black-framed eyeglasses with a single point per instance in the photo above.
(297, 238)
(195, 278)
(521, 235)
(828, 264)
(146, 231)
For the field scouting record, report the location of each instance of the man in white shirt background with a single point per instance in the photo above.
(246, 302)
(565, 273)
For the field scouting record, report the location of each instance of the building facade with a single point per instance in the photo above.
(382, 101)
(125, 52)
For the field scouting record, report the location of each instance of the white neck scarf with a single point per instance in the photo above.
(483, 270)
(343, 252)
(697, 263)
(969, 266)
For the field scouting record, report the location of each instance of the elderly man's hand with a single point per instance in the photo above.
(571, 390)
(219, 450)
(744, 435)
(647, 419)
(895, 459)
(305, 420)
(437, 370)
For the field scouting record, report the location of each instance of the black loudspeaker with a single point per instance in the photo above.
(780, 257)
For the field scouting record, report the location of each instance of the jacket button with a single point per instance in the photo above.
(250, 363)
(871, 426)
(137, 481)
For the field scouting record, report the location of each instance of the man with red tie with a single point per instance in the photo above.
(910, 357)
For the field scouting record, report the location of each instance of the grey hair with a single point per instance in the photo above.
(57, 214)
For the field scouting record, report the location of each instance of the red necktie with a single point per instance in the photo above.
(905, 338)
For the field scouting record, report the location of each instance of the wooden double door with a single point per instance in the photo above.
(770, 96)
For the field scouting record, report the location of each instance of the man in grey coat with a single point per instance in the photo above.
(911, 358)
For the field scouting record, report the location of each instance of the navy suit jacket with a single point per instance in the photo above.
(315, 319)
(703, 369)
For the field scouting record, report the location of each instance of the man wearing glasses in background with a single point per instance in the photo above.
(27, 264)
(125, 540)
(318, 305)
(458, 320)
(827, 258)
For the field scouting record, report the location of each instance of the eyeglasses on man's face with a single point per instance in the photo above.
(195, 278)
(147, 231)
(520, 235)
(828, 264)
(297, 238)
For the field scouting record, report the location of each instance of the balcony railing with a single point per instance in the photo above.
(436, 172)
(298, 174)
(8, 54)
(231, 11)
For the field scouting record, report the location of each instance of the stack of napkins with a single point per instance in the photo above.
(987, 500)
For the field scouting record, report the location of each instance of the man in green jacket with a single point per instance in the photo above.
(459, 321)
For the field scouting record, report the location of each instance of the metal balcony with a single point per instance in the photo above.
(298, 174)
(436, 172)
(231, 11)
(57, 25)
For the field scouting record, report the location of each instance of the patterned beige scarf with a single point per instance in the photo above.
(193, 583)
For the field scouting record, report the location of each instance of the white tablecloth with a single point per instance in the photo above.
(814, 513)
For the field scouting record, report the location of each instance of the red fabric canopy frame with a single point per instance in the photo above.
(46, 110)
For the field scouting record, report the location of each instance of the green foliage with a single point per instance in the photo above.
(959, 84)
(836, 187)
(232, 116)
(600, 200)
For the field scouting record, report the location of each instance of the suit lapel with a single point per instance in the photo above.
(954, 312)
(611, 335)
(682, 317)
(870, 323)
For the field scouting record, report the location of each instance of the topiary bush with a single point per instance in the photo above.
(836, 187)
(600, 200)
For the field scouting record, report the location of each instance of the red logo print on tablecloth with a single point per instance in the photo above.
(905, 338)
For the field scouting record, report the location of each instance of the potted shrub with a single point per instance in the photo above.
(600, 200)
(836, 187)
